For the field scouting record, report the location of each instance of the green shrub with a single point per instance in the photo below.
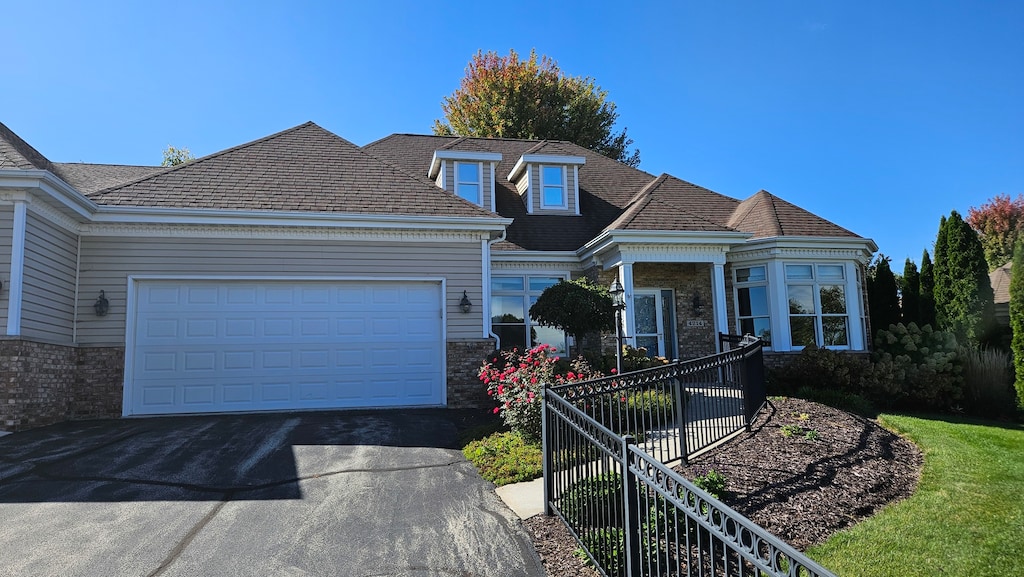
(711, 481)
(922, 362)
(635, 359)
(608, 546)
(816, 368)
(504, 458)
(987, 381)
(586, 502)
(846, 401)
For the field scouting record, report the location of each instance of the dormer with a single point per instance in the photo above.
(467, 174)
(548, 183)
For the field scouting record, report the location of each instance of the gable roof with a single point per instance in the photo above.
(766, 215)
(669, 203)
(305, 168)
(16, 153)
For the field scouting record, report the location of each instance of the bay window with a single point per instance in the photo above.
(752, 312)
(816, 295)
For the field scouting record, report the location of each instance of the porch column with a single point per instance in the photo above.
(628, 319)
(718, 294)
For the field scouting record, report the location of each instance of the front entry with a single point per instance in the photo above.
(654, 322)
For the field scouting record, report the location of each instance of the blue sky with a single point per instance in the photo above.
(879, 116)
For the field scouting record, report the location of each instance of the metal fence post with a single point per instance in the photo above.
(545, 445)
(631, 501)
(680, 396)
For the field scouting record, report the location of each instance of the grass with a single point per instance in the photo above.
(504, 457)
(966, 517)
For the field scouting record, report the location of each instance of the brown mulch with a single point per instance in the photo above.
(801, 488)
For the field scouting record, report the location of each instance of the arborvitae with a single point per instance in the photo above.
(1017, 317)
(940, 290)
(911, 294)
(963, 292)
(883, 297)
(926, 301)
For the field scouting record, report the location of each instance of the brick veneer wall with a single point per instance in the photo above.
(465, 391)
(36, 383)
(99, 383)
(685, 279)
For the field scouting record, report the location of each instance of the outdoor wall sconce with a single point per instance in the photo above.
(465, 304)
(102, 305)
(698, 307)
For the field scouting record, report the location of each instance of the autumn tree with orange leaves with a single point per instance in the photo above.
(503, 96)
(999, 223)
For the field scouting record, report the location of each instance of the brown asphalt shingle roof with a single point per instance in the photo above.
(305, 168)
(767, 215)
(90, 178)
(669, 203)
(16, 153)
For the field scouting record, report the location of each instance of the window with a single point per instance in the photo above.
(511, 299)
(553, 187)
(467, 181)
(752, 314)
(817, 305)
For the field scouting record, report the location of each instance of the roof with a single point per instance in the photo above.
(16, 153)
(669, 203)
(89, 178)
(766, 215)
(1000, 279)
(305, 168)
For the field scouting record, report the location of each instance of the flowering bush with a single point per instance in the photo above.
(516, 379)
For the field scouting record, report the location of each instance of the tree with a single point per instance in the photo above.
(883, 298)
(910, 294)
(175, 156)
(963, 292)
(999, 223)
(926, 302)
(577, 307)
(503, 96)
(1017, 317)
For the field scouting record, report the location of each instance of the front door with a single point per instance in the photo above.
(653, 321)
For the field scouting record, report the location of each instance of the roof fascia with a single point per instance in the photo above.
(566, 256)
(811, 246)
(52, 185)
(608, 239)
(543, 159)
(439, 155)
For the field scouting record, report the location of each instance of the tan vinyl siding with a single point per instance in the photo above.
(570, 188)
(6, 230)
(48, 301)
(108, 261)
(486, 188)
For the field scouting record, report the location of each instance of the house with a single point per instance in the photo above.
(1000, 280)
(300, 271)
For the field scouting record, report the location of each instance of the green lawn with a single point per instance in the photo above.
(966, 518)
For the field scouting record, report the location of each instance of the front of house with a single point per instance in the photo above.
(300, 271)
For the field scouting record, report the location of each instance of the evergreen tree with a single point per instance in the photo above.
(926, 300)
(883, 297)
(963, 292)
(1017, 317)
(911, 294)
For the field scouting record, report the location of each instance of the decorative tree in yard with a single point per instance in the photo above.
(910, 303)
(577, 307)
(926, 302)
(963, 292)
(1017, 318)
(999, 223)
(503, 96)
(883, 298)
(175, 156)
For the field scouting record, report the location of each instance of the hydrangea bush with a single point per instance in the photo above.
(516, 379)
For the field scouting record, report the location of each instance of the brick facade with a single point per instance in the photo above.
(465, 391)
(36, 383)
(99, 383)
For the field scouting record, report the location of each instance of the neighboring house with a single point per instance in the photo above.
(1000, 279)
(300, 271)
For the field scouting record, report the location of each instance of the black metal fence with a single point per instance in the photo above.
(606, 443)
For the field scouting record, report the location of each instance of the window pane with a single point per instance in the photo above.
(539, 283)
(752, 274)
(507, 310)
(553, 196)
(507, 283)
(799, 272)
(511, 335)
(753, 301)
(469, 172)
(830, 272)
(548, 336)
(834, 331)
(833, 299)
(801, 300)
(645, 314)
(802, 331)
(759, 327)
(470, 192)
(649, 343)
(552, 175)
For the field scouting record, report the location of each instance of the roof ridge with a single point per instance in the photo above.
(20, 145)
(211, 156)
(775, 210)
(107, 164)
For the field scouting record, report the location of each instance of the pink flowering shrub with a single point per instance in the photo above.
(516, 380)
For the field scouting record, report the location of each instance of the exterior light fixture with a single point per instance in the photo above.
(698, 307)
(102, 305)
(465, 304)
(618, 295)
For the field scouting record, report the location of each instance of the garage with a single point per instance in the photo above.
(218, 345)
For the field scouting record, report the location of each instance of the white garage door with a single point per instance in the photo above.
(220, 346)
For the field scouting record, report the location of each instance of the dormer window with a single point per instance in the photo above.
(553, 187)
(468, 182)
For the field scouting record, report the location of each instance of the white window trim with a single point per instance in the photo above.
(847, 284)
(564, 205)
(479, 182)
(737, 285)
(526, 294)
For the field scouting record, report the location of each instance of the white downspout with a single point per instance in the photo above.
(487, 288)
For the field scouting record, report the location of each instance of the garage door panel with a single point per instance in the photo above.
(207, 346)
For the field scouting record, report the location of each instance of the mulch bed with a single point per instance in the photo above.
(803, 487)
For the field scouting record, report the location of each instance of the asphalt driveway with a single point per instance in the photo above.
(356, 493)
